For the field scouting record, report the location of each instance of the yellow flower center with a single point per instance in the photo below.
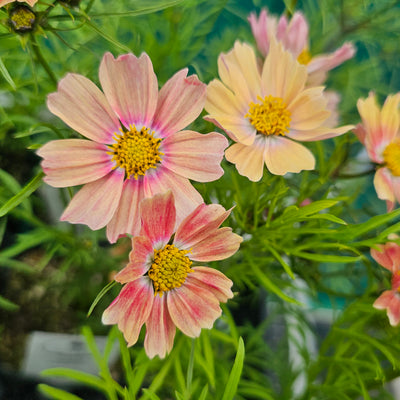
(169, 269)
(391, 156)
(304, 57)
(136, 151)
(270, 116)
(22, 19)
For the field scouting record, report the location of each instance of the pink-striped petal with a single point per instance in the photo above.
(180, 102)
(296, 34)
(260, 31)
(194, 155)
(71, 162)
(319, 133)
(389, 300)
(82, 106)
(219, 245)
(249, 160)
(212, 280)
(388, 256)
(384, 185)
(199, 224)
(126, 218)
(95, 204)
(160, 329)
(192, 308)
(158, 218)
(131, 87)
(131, 309)
(139, 260)
(187, 198)
(284, 155)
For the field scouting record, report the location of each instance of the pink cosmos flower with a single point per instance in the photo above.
(162, 287)
(293, 35)
(379, 132)
(267, 112)
(388, 256)
(137, 147)
(30, 2)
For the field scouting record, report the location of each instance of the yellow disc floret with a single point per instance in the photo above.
(169, 268)
(270, 116)
(391, 156)
(304, 57)
(22, 19)
(136, 151)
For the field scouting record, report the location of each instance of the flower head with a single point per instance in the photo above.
(380, 134)
(137, 145)
(293, 35)
(163, 288)
(388, 256)
(267, 112)
(30, 2)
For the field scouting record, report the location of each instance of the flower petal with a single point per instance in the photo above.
(212, 280)
(388, 256)
(194, 155)
(187, 198)
(296, 34)
(139, 260)
(260, 31)
(249, 160)
(319, 133)
(158, 218)
(284, 155)
(71, 162)
(180, 102)
(282, 75)
(160, 329)
(384, 185)
(131, 87)
(126, 218)
(95, 204)
(390, 300)
(199, 224)
(131, 309)
(192, 308)
(82, 106)
(219, 245)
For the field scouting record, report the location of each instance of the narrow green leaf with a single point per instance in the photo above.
(3, 224)
(234, 376)
(285, 266)
(100, 295)
(326, 257)
(179, 396)
(328, 217)
(87, 379)
(150, 394)
(57, 394)
(23, 194)
(7, 304)
(15, 264)
(204, 392)
(7, 75)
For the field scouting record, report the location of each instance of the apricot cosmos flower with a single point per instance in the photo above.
(137, 147)
(267, 112)
(380, 134)
(293, 35)
(30, 2)
(388, 256)
(162, 287)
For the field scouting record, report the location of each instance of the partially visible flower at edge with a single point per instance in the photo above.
(30, 2)
(137, 147)
(388, 256)
(266, 113)
(162, 287)
(293, 35)
(379, 132)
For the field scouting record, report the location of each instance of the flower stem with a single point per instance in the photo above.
(41, 59)
(189, 376)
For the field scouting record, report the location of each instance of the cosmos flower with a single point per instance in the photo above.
(137, 146)
(267, 112)
(380, 134)
(388, 256)
(30, 2)
(162, 288)
(294, 37)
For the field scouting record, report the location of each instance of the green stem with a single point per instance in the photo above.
(190, 371)
(41, 59)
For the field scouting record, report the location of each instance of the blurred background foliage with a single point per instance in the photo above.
(303, 278)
